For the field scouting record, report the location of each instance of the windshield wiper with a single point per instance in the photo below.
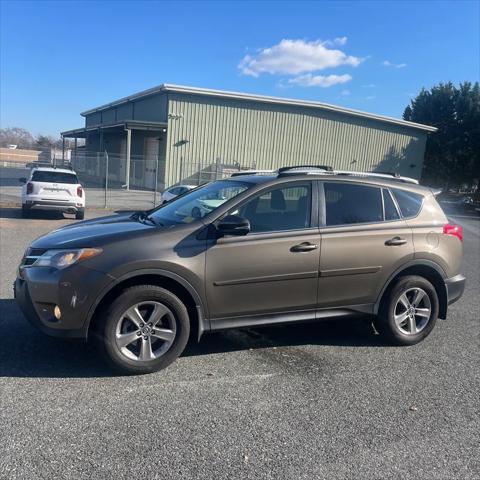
(143, 217)
(155, 222)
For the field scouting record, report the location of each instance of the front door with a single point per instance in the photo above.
(364, 240)
(274, 268)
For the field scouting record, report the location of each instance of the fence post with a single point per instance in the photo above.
(106, 178)
(155, 188)
(199, 172)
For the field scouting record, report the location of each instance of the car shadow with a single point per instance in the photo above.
(12, 212)
(27, 352)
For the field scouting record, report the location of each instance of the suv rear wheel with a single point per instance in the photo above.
(144, 330)
(80, 215)
(408, 311)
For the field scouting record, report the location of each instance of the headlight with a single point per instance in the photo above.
(64, 258)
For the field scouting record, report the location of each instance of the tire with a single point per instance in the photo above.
(196, 213)
(419, 323)
(113, 323)
(80, 215)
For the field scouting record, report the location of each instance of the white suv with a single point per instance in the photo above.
(50, 188)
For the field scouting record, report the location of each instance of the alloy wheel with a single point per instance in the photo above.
(145, 331)
(412, 311)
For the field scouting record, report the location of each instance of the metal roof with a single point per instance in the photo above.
(133, 124)
(166, 87)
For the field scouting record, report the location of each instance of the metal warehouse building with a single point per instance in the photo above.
(170, 133)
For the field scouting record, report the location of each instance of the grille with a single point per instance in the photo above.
(31, 256)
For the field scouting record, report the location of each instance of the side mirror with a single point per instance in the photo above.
(233, 225)
(22, 180)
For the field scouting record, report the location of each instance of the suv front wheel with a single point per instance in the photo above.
(144, 330)
(408, 311)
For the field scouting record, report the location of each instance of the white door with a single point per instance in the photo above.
(151, 153)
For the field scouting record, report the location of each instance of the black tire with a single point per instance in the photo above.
(80, 215)
(196, 213)
(104, 333)
(385, 322)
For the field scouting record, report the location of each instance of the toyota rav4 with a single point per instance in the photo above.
(289, 246)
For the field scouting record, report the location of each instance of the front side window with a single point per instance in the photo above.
(199, 202)
(285, 208)
(409, 202)
(348, 204)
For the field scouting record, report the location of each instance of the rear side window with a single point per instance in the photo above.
(410, 203)
(54, 177)
(350, 204)
(391, 212)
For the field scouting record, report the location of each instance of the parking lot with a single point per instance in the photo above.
(326, 400)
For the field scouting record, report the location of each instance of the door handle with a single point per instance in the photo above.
(395, 241)
(304, 247)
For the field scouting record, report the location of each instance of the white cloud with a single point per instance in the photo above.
(345, 93)
(369, 85)
(370, 97)
(324, 81)
(387, 63)
(297, 56)
(336, 41)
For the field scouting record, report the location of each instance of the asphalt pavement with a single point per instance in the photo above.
(317, 401)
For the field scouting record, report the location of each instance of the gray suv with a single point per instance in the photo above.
(302, 243)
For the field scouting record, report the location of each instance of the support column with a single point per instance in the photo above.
(63, 149)
(127, 169)
(100, 155)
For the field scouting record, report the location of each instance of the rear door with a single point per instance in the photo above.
(364, 240)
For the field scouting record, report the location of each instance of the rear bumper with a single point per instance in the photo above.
(455, 287)
(71, 207)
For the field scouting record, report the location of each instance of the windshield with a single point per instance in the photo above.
(198, 202)
(54, 177)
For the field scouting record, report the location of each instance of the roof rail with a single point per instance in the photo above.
(389, 175)
(252, 172)
(301, 168)
(327, 170)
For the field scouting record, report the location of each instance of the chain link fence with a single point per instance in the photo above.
(110, 181)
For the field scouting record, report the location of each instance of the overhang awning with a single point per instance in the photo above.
(126, 124)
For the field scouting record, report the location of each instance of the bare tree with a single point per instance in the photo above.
(16, 136)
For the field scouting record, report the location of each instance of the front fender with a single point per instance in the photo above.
(203, 323)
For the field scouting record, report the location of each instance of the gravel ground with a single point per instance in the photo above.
(294, 402)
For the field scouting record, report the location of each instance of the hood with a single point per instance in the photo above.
(95, 232)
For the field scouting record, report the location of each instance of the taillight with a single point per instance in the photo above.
(29, 188)
(455, 230)
(79, 192)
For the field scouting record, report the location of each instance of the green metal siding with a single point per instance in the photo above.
(268, 136)
(151, 108)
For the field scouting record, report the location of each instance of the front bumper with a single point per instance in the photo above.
(455, 287)
(73, 290)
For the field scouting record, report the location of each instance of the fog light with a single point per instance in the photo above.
(57, 312)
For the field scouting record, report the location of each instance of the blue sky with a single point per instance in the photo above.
(61, 58)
